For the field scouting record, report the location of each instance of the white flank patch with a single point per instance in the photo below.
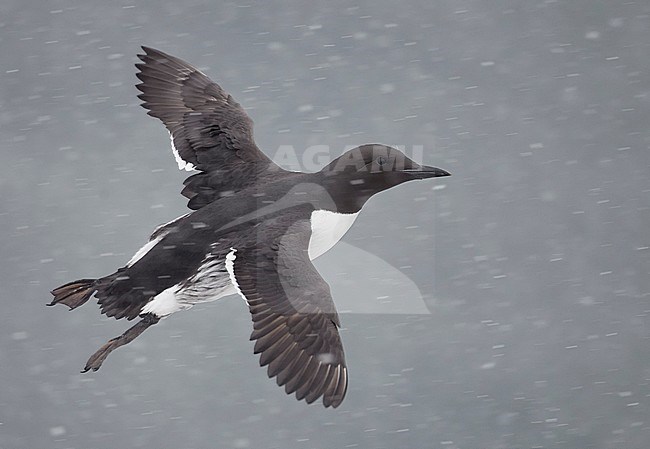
(230, 268)
(164, 303)
(144, 250)
(162, 226)
(327, 228)
(182, 164)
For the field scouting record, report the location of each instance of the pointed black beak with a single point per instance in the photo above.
(425, 171)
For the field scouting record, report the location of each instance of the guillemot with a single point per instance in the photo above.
(253, 229)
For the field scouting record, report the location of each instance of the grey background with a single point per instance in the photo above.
(533, 258)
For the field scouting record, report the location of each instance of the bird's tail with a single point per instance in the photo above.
(74, 294)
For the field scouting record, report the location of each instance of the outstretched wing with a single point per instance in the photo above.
(210, 131)
(294, 319)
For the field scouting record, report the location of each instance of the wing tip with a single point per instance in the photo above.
(148, 51)
(331, 391)
(336, 390)
(151, 53)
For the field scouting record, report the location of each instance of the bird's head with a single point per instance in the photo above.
(372, 168)
(382, 162)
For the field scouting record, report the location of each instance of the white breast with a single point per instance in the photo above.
(327, 228)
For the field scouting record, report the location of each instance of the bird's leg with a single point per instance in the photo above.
(95, 361)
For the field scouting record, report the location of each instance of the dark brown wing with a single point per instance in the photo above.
(210, 131)
(294, 319)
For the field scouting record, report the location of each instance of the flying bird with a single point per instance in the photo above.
(253, 229)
